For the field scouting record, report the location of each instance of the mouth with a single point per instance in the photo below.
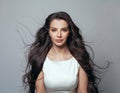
(58, 40)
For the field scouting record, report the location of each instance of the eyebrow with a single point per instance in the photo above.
(61, 28)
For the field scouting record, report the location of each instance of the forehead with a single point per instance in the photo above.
(58, 23)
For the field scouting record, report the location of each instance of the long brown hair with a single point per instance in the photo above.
(42, 44)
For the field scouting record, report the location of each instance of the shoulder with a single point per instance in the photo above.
(83, 81)
(39, 84)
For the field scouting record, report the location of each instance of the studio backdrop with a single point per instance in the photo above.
(99, 21)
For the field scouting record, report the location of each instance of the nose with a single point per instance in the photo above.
(59, 34)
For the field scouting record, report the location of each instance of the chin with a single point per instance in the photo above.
(60, 45)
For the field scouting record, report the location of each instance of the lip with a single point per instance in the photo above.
(58, 40)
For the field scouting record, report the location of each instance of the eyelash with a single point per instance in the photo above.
(53, 30)
(64, 30)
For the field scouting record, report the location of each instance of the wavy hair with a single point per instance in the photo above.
(42, 44)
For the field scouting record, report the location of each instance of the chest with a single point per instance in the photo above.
(60, 76)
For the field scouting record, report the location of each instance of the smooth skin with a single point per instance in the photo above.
(59, 33)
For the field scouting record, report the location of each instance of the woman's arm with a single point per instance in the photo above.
(40, 83)
(82, 81)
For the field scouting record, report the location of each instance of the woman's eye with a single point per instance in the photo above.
(65, 30)
(53, 30)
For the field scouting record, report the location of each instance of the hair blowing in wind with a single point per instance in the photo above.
(39, 48)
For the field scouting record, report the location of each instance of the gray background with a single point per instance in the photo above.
(99, 21)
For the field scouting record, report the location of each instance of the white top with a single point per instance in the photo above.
(61, 76)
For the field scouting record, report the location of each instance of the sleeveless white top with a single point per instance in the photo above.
(61, 76)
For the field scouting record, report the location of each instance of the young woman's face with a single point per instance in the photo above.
(59, 32)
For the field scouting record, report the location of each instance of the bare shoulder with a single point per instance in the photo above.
(82, 72)
(41, 75)
(39, 79)
(83, 81)
(40, 83)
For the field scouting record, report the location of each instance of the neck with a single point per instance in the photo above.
(59, 53)
(60, 50)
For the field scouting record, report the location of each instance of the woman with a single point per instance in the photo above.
(58, 61)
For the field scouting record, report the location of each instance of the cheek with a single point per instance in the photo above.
(66, 35)
(51, 35)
